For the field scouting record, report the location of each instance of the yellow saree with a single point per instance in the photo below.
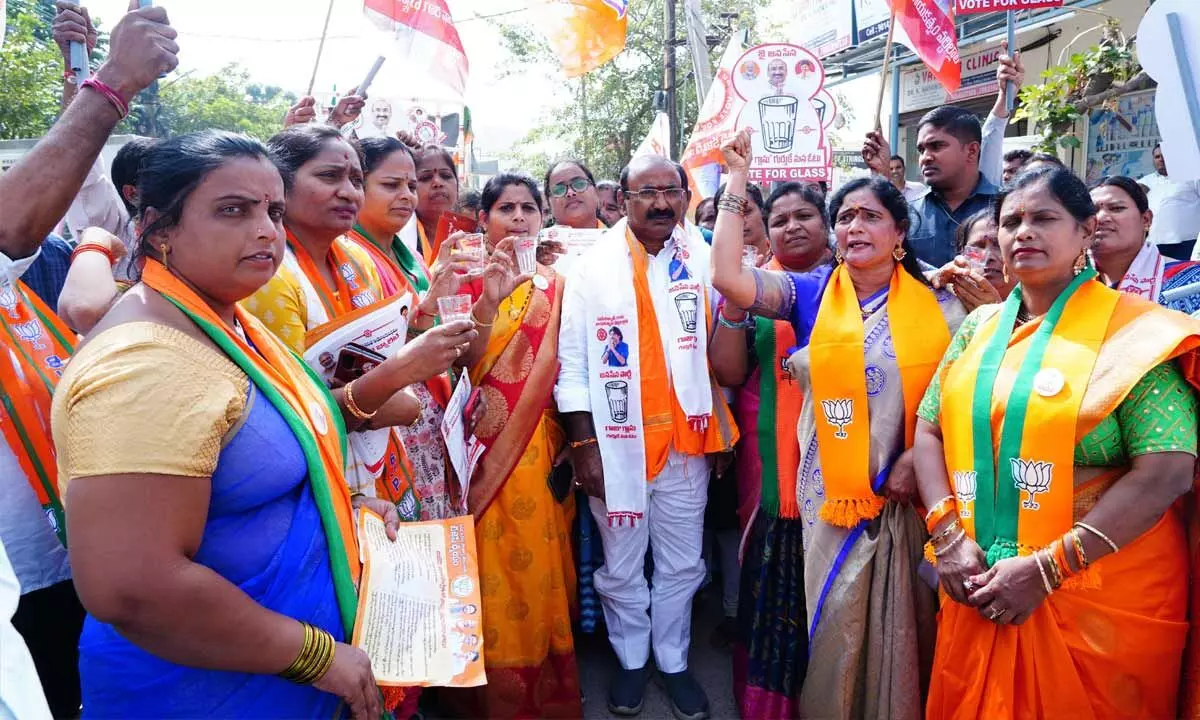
(523, 532)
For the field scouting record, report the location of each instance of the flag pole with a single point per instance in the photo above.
(887, 60)
(320, 48)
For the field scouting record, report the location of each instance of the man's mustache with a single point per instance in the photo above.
(657, 214)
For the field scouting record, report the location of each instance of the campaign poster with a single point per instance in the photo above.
(1121, 141)
(787, 112)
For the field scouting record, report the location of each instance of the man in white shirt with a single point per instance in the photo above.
(642, 413)
(1176, 208)
(897, 172)
(21, 695)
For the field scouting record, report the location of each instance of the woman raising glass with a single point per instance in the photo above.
(212, 536)
(1126, 261)
(1053, 446)
(748, 354)
(522, 522)
(871, 332)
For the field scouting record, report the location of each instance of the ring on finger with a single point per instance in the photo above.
(968, 585)
(996, 613)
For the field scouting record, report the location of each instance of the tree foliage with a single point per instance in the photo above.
(608, 112)
(30, 71)
(224, 101)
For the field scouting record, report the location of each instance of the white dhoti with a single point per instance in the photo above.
(674, 529)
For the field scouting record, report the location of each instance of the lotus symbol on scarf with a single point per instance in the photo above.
(8, 300)
(964, 489)
(30, 332)
(839, 413)
(1032, 476)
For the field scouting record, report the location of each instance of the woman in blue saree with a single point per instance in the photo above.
(210, 526)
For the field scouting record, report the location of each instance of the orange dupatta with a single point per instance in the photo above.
(300, 397)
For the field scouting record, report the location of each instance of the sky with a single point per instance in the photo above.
(276, 40)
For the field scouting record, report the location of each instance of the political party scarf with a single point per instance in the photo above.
(1144, 277)
(1010, 450)
(516, 377)
(350, 299)
(414, 269)
(839, 384)
(780, 401)
(350, 289)
(641, 412)
(307, 407)
(38, 345)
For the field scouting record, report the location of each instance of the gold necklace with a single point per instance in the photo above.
(513, 313)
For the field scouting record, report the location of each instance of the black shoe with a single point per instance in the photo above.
(688, 700)
(627, 690)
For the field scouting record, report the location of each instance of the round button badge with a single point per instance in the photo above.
(1049, 382)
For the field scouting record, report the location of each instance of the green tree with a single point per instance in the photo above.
(610, 110)
(30, 71)
(224, 101)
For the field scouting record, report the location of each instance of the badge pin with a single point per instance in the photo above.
(540, 282)
(1049, 382)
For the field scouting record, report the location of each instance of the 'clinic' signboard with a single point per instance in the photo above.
(919, 89)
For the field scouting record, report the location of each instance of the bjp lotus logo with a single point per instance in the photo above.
(1032, 476)
(839, 413)
(964, 489)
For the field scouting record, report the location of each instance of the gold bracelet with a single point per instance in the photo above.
(1098, 534)
(945, 533)
(1037, 558)
(329, 647)
(353, 407)
(479, 322)
(293, 671)
(581, 443)
(1080, 555)
(315, 658)
(950, 545)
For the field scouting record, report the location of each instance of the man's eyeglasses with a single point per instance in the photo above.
(649, 195)
(578, 184)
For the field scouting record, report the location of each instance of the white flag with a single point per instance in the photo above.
(658, 139)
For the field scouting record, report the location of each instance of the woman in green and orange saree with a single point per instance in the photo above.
(748, 353)
(201, 465)
(522, 525)
(1056, 455)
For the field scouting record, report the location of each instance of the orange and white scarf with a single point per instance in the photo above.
(655, 394)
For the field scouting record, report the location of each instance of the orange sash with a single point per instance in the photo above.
(294, 390)
(39, 345)
(665, 423)
(920, 337)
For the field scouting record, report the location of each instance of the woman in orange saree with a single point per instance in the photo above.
(524, 546)
(1056, 453)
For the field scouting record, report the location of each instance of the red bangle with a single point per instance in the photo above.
(89, 247)
(108, 93)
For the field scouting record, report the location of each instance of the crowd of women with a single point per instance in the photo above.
(962, 492)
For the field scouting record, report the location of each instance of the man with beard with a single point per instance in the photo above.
(948, 144)
(641, 433)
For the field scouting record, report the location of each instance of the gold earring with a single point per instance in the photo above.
(1080, 262)
(1004, 269)
(838, 257)
(165, 251)
(899, 253)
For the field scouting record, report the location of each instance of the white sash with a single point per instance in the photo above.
(614, 382)
(1145, 274)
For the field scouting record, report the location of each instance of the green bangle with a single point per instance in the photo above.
(744, 324)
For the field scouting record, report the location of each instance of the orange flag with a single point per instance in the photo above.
(585, 34)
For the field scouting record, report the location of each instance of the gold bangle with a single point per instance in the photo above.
(1098, 534)
(353, 407)
(582, 443)
(479, 322)
(950, 545)
(1037, 558)
(1080, 555)
(315, 658)
(945, 533)
(293, 671)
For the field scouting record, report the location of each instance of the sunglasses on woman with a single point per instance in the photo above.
(578, 184)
